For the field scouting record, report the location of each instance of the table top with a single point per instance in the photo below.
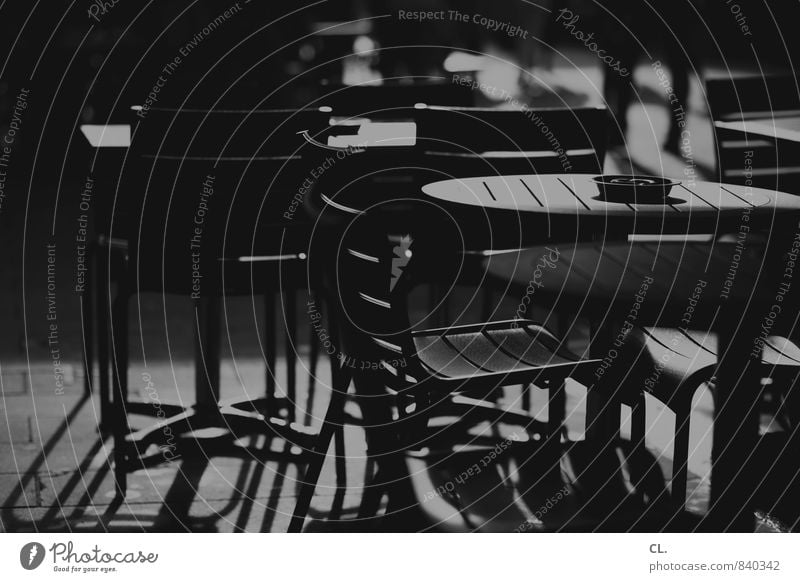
(670, 284)
(787, 128)
(572, 196)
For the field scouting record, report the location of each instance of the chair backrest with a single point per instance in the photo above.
(736, 98)
(453, 142)
(392, 100)
(515, 141)
(371, 263)
(389, 238)
(752, 159)
(201, 186)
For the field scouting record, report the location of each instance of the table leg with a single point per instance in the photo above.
(207, 347)
(602, 407)
(735, 427)
(738, 390)
(602, 428)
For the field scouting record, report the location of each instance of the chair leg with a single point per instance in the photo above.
(314, 349)
(291, 352)
(556, 412)
(120, 343)
(638, 444)
(680, 467)
(270, 351)
(341, 464)
(207, 354)
(102, 284)
(602, 403)
(331, 424)
(602, 434)
(88, 317)
(525, 400)
(602, 417)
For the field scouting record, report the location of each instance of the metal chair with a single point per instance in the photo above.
(385, 245)
(751, 159)
(208, 207)
(672, 365)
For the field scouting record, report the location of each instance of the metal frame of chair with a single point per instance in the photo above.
(400, 400)
(744, 158)
(261, 144)
(686, 360)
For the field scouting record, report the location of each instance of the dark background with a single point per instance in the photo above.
(82, 71)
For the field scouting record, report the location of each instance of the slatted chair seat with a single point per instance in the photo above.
(672, 364)
(512, 350)
(681, 360)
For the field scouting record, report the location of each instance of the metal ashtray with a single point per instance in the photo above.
(634, 189)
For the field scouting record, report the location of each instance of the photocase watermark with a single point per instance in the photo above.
(31, 555)
(743, 231)
(677, 337)
(685, 145)
(100, 8)
(82, 235)
(171, 67)
(53, 343)
(783, 288)
(93, 560)
(491, 24)
(625, 329)
(347, 361)
(316, 173)
(547, 506)
(316, 322)
(356, 364)
(473, 471)
(568, 19)
(197, 234)
(7, 144)
(533, 115)
(546, 261)
(168, 449)
(739, 17)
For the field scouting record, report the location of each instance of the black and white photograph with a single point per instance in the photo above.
(374, 268)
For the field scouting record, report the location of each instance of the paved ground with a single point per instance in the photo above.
(55, 471)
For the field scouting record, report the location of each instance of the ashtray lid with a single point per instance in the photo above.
(634, 188)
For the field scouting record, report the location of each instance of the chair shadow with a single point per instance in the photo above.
(7, 516)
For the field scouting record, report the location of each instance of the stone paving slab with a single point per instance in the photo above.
(56, 473)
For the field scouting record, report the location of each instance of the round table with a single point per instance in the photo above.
(572, 203)
(568, 208)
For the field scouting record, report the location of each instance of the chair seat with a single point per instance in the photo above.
(505, 348)
(668, 358)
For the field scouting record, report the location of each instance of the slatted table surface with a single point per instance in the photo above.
(690, 206)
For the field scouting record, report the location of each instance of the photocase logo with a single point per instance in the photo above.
(31, 555)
